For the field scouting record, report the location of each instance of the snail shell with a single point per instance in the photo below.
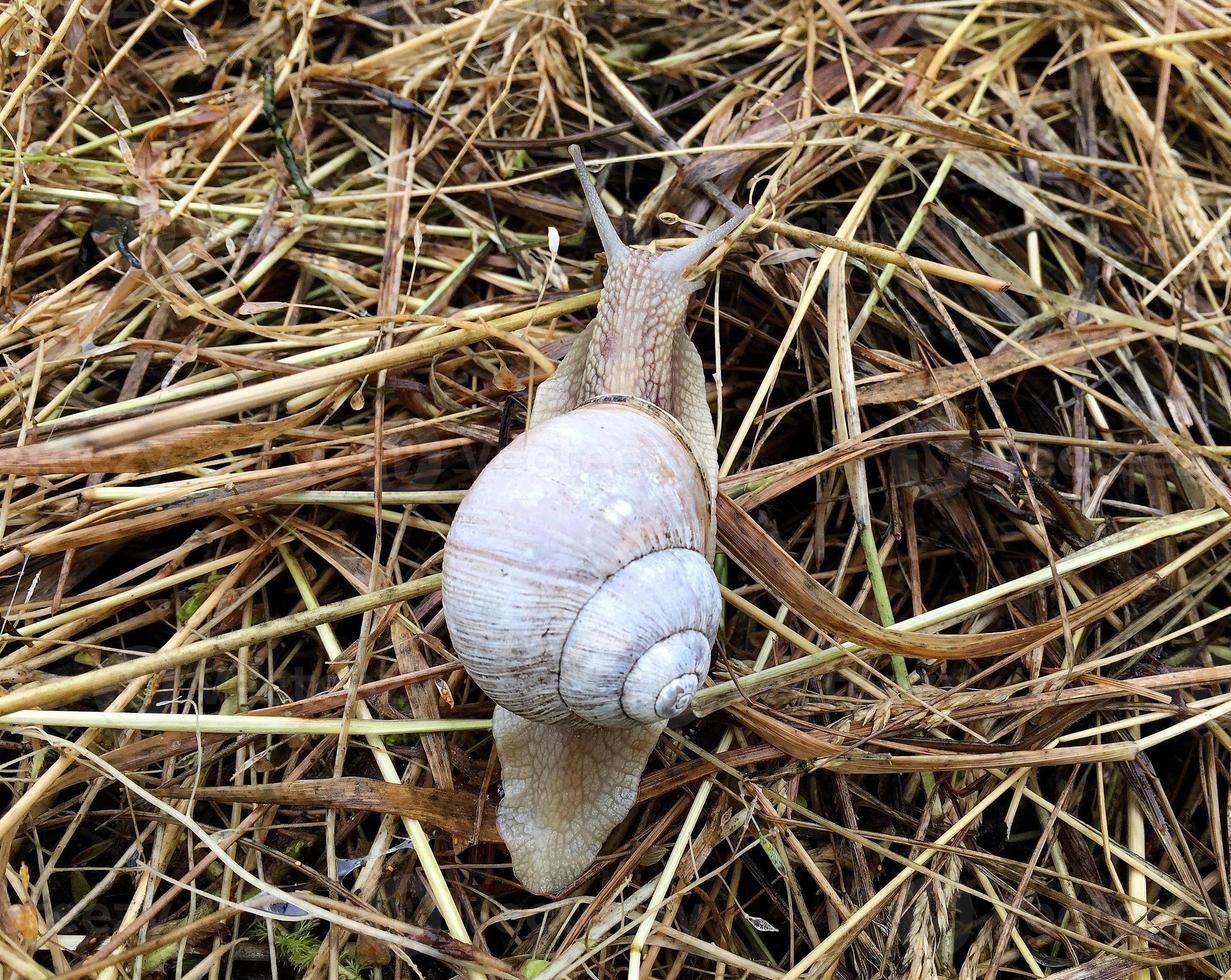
(576, 581)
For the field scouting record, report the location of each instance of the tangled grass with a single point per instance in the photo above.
(277, 278)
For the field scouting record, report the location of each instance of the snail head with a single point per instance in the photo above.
(667, 269)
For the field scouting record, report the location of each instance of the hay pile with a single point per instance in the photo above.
(275, 281)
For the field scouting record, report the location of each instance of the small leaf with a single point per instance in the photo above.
(759, 924)
(347, 865)
(275, 907)
(256, 306)
(193, 603)
(21, 920)
(534, 967)
(195, 45)
(771, 852)
(506, 380)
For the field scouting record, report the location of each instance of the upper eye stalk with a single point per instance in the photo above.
(676, 262)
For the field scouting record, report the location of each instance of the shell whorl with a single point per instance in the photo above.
(576, 583)
(665, 607)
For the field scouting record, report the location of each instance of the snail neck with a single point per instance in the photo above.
(635, 331)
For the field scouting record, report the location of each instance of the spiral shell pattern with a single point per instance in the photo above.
(576, 583)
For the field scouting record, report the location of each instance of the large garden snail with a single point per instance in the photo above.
(578, 582)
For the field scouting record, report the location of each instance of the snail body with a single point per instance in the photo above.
(578, 585)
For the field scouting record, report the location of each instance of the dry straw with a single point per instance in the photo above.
(276, 281)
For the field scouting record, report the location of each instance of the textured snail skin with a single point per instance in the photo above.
(565, 788)
(636, 345)
(578, 587)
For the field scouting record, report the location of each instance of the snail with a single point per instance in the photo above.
(578, 584)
